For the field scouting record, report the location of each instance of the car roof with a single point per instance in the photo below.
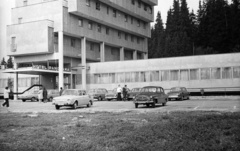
(152, 87)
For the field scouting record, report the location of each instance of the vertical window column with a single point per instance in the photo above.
(15, 86)
(102, 52)
(84, 70)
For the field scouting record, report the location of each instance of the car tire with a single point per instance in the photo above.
(50, 99)
(136, 105)
(99, 98)
(163, 104)
(24, 100)
(182, 98)
(147, 105)
(33, 99)
(57, 107)
(109, 99)
(153, 105)
(89, 104)
(75, 104)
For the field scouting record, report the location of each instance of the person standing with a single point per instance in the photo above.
(40, 95)
(45, 94)
(125, 93)
(119, 91)
(6, 97)
(61, 91)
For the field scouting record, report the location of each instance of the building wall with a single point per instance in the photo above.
(221, 70)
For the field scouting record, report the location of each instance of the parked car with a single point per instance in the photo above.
(112, 94)
(29, 95)
(73, 98)
(52, 93)
(151, 95)
(178, 93)
(132, 94)
(98, 94)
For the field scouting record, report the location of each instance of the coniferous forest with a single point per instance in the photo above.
(213, 29)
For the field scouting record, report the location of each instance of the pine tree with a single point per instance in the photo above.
(160, 36)
(3, 62)
(10, 62)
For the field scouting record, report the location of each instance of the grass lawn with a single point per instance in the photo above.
(120, 131)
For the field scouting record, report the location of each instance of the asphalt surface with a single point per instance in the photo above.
(217, 103)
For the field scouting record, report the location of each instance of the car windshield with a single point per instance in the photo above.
(175, 89)
(136, 90)
(153, 90)
(70, 92)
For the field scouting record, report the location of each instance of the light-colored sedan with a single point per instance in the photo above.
(73, 98)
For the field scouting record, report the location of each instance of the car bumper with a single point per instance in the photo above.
(63, 103)
(143, 102)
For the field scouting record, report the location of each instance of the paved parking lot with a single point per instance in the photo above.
(228, 104)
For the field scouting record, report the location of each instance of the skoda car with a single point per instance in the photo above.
(178, 93)
(151, 95)
(98, 94)
(72, 98)
(132, 94)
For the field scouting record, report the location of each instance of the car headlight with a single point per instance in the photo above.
(68, 100)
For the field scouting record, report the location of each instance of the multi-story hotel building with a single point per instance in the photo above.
(55, 39)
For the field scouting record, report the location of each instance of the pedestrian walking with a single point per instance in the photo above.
(45, 95)
(40, 95)
(119, 92)
(6, 97)
(202, 92)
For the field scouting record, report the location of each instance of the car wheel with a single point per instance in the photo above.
(153, 105)
(182, 98)
(89, 104)
(57, 107)
(147, 105)
(163, 104)
(136, 105)
(74, 106)
(24, 100)
(50, 99)
(109, 99)
(99, 98)
(33, 99)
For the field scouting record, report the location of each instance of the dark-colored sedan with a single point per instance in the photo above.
(151, 95)
(178, 93)
(132, 94)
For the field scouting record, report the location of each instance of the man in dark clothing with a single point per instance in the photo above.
(45, 93)
(125, 93)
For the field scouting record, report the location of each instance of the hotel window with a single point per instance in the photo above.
(119, 34)
(99, 28)
(138, 23)
(132, 38)
(144, 25)
(114, 13)
(174, 75)
(97, 5)
(107, 31)
(138, 40)
(80, 22)
(90, 25)
(133, 2)
(25, 3)
(13, 44)
(145, 7)
(227, 73)
(194, 74)
(107, 10)
(184, 75)
(165, 75)
(131, 20)
(88, 3)
(236, 72)
(19, 20)
(205, 73)
(91, 46)
(139, 3)
(154, 76)
(215, 73)
(126, 18)
(73, 42)
(126, 36)
(150, 10)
